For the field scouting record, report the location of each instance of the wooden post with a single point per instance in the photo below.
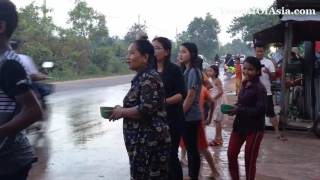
(284, 91)
(308, 78)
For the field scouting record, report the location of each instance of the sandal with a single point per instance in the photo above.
(282, 138)
(216, 142)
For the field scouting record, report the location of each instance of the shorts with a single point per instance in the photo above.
(270, 107)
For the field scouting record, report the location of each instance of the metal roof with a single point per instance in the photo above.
(301, 17)
(305, 27)
(298, 4)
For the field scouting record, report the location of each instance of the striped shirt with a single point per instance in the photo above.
(15, 151)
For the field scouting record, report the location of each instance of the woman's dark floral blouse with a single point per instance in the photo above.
(147, 139)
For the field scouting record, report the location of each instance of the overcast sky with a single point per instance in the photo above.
(162, 17)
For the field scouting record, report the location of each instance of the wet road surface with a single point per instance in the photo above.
(80, 145)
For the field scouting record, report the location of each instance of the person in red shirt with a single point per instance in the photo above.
(238, 75)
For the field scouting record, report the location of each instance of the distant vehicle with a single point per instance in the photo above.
(205, 63)
(202, 57)
(242, 58)
(229, 60)
(222, 59)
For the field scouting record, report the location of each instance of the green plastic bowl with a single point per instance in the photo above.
(106, 112)
(226, 108)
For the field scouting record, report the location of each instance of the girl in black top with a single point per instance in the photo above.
(174, 85)
(248, 126)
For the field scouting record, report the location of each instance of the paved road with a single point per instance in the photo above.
(85, 84)
(81, 145)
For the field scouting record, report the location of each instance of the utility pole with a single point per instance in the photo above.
(176, 34)
(44, 9)
(44, 18)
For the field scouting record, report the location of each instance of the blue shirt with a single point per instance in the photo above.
(192, 79)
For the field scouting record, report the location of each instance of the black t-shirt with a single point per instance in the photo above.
(173, 80)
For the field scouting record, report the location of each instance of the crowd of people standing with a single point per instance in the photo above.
(166, 108)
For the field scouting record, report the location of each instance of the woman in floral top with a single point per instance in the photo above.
(145, 128)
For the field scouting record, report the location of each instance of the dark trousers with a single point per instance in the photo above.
(190, 137)
(175, 170)
(22, 174)
(253, 141)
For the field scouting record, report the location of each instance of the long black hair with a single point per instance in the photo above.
(166, 44)
(9, 14)
(196, 61)
(216, 69)
(193, 50)
(146, 48)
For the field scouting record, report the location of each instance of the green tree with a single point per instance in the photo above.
(34, 32)
(83, 50)
(99, 34)
(203, 32)
(237, 46)
(86, 20)
(133, 31)
(248, 24)
(88, 33)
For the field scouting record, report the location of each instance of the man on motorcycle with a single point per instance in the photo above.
(41, 89)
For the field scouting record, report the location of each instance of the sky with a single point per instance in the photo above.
(162, 17)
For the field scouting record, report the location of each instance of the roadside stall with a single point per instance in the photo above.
(298, 31)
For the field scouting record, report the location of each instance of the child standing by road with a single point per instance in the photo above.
(249, 123)
(217, 94)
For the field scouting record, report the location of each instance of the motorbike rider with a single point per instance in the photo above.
(40, 89)
(33, 73)
(28, 63)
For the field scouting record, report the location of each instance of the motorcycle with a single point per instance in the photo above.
(42, 89)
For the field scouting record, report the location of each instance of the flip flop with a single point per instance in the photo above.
(282, 138)
(216, 143)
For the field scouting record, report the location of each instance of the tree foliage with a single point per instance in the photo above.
(237, 46)
(134, 30)
(204, 33)
(84, 49)
(248, 24)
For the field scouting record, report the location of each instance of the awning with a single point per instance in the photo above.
(299, 4)
(305, 28)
